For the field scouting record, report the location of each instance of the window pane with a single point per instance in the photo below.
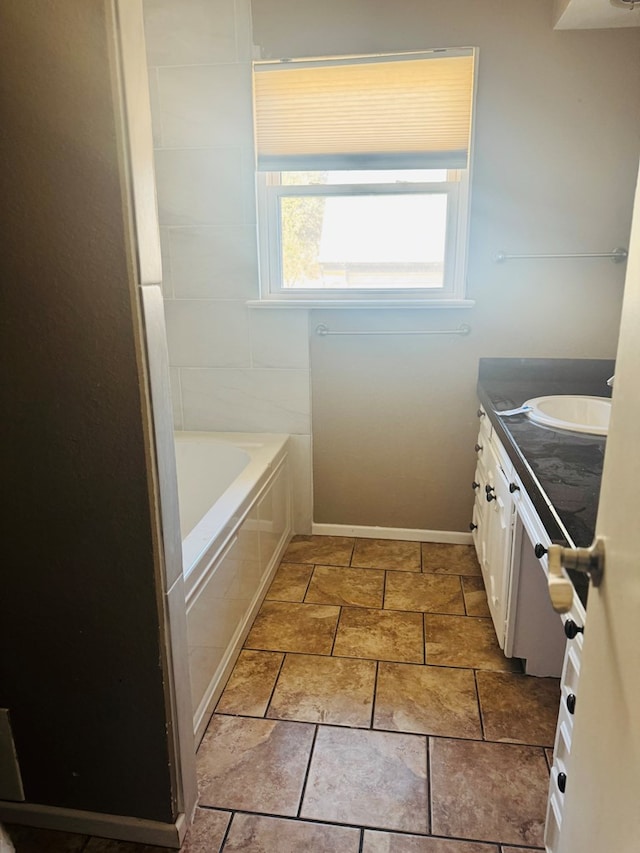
(364, 241)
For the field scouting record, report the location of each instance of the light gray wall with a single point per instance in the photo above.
(80, 635)
(556, 156)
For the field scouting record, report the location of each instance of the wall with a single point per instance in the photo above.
(80, 632)
(557, 140)
(234, 368)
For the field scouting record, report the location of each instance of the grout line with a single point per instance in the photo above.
(424, 638)
(226, 832)
(480, 714)
(306, 775)
(335, 636)
(360, 848)
(429, 786)
(275, 684)
(375, 695)
(384, 829)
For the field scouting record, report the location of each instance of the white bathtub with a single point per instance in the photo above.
(235, 515)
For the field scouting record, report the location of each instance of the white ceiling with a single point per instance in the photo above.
(593, 14)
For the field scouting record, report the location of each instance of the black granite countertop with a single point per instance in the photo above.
(561, 471)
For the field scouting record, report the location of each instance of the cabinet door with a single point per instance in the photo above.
(498, 516)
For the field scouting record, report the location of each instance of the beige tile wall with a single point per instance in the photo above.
(232, 367)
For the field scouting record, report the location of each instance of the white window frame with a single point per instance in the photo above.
(270, 190)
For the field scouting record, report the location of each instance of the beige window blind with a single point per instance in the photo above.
(403, 111)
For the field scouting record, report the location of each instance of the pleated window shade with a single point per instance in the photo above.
(366, 113)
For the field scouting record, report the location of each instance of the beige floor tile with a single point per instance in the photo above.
(288, 627)
(251, 683)
(290, 582)
(337, 691)
(521, 849)
(427, 699)
(339, 585)
(422, 592)
(27, 839)
(369, 779)
(466, 641)
(103, 845)
(389, 842)
(387, 554)
(253, 765)
(475, 597)
(253, 834)
(549, 756)
(488, 791)
(206, 833)
(380, 635)
(449, 559)
(324, 550)
(519, 708)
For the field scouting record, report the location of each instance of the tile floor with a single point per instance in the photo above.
(371, 711)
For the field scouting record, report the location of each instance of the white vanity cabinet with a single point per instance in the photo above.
(511, 543)
(493, 511)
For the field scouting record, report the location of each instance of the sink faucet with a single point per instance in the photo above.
(610, 381)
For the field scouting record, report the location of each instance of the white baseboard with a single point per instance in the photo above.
(119, 827)
(447, 537)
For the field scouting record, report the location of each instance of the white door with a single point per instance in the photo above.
(602, 801)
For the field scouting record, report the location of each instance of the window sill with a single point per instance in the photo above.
(364, 304)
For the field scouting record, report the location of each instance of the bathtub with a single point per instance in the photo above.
(235, 517)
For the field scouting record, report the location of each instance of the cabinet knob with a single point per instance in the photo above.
(473, 527)
(571, 703)
(475, 485)
(562, 782)
(477, 448)
(539, 550)
(480, 413)
(491, 497)
(513, 488)
(572, 630)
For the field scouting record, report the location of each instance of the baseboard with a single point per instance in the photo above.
(120, 827)
(447, 537)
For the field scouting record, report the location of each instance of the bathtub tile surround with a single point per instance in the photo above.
(234, 368)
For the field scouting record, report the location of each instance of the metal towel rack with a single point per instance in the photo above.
(616, 255)
(463, 329)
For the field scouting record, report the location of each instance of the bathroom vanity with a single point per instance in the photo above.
(535, 486)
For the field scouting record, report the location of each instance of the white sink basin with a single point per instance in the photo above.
(572, 412)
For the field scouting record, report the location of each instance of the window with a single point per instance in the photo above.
(363, 176)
